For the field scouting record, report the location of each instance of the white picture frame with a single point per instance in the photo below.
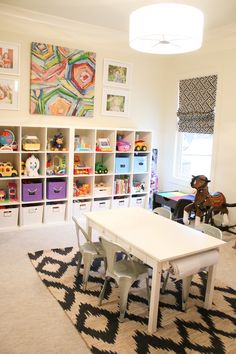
(117, 74)
(9, 91)
(9, 58)
(115, 102)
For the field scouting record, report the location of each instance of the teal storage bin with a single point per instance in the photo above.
(122, 164)
(140, 164)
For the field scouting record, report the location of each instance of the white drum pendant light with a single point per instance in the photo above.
(166, 29)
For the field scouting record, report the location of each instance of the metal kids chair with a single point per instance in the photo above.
(186, 267)
(210, 230)
(124, 272)
(163, 212)
(88, 251)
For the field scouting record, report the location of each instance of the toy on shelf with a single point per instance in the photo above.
(32, 166)
(81, 145)
(2, 195)
(138, 187)
(81, 189)
(80, 168)
(7, 140)
(122, 145)
(30, 143)
(100, 168)
(103, 145)
(56, 165)
(140, 145)
(11, 191)
(57, 143)
(22, 170)
(49, 143)
(7, 170)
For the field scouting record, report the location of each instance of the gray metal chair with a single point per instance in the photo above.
(163, 212)
(125, 272)
(88, 251)
(209, 230)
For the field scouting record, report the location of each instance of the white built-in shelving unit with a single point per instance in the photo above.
(83, 190)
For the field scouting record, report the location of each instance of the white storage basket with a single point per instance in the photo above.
(101, 204)
(8, 217)
(80, 207)
(32, 215)
(137, 201)
(54, 213)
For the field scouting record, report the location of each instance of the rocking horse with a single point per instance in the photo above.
(205, 204)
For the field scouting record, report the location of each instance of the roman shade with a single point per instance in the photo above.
(197, 100)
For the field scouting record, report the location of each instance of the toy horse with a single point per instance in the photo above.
(205, 203)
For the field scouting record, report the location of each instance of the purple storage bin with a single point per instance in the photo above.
(56, 189)
(32, 192)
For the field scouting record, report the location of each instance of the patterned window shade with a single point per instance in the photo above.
(197, 99)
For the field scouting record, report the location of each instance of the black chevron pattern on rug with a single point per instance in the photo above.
(108, 334)
(196, 331)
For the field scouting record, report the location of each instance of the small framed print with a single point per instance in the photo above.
(9, 89)
(116, 74)
(9, 58)
(115, 102)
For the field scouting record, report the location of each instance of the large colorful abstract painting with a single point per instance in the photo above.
(62, 81)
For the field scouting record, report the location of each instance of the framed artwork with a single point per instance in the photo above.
(9, 93)
(9, 58)
(115, 102)
(116, 74)
(62, 81)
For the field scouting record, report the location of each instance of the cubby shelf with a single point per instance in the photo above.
(125, 184)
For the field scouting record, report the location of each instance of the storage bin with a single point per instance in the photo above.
(140, 164)
(137, 201)
(122, 164)
(54, 213)
(102, 204)
(120, 203)
(80, 207)
(102, 191)
(32, 214)
(8, 217)
(56, 189)
(32, 192)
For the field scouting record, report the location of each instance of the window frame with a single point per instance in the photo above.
(178, 156)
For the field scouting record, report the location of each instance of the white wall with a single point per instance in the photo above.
(205, 62)
(24, 27)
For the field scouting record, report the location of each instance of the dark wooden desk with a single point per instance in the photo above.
(172, 200)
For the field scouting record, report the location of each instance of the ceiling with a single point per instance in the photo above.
(114, 14)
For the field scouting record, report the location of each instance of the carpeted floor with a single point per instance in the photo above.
(197, 331)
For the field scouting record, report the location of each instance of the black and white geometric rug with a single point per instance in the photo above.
(196, 331)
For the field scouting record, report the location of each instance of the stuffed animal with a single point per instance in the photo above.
(32, 166)
(58, 142)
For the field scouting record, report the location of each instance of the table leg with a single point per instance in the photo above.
(210, 287)
(155, 295)
(89, 232)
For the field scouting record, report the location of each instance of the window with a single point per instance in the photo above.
(196, 114)
(193, 155)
